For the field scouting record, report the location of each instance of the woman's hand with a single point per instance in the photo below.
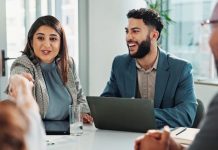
(87, 119)
(28, 76)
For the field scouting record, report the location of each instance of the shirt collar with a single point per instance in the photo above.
(154, 67)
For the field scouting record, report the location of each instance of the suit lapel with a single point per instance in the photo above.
(162, 77)
(130, 79)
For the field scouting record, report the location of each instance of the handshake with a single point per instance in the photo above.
(20, 90)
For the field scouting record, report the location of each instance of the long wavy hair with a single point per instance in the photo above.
(63, 57)
(13, 127)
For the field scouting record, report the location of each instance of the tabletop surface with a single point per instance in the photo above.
(93, 139)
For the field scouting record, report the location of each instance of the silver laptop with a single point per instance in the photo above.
(123, 114)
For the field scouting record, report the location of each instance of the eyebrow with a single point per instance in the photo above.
(132, 28)
(135, 28)
(44, 34)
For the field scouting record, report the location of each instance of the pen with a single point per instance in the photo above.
(181, 131)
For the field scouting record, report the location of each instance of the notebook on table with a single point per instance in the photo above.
(184, 135)
(54, 127)
(123, 114)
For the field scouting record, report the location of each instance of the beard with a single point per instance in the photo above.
(143, 49)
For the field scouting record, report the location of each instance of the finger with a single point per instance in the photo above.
(154, 131)
(28, 76)
(12, 92)
(138, 141)
(31, 85)
(156, 135)
(12, 87)
(136, 146)
(90, 118)
(87, 118)
(151, 131)
(86, 121)
(166, 134)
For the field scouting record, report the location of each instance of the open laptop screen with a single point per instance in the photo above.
(123, 114)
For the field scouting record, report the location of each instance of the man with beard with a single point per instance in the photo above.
(150, 73)
(206, 139)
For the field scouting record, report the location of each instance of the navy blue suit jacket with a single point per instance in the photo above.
(174, 100)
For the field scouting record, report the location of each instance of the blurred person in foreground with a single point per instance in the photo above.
(13, 126)
(20, 122)
(206, 139)
(20, 90)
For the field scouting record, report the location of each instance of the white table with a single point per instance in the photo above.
(94, 139)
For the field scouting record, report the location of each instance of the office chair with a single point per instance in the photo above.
(199, 114)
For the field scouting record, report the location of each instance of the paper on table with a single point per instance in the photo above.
(184, 135)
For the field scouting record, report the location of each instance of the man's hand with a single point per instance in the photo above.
(19, 85)
(157, 140)
(20, 89)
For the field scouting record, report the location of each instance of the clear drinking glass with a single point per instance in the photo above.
(76, 124)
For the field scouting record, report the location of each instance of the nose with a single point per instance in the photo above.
(47, 43)
(128, 36)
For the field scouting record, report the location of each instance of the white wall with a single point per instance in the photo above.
(107, 20)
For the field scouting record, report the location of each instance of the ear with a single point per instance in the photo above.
(154, 35)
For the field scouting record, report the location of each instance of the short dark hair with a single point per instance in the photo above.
(149, 16)
(63, 53)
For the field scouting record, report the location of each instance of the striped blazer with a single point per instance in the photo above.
(24, 64)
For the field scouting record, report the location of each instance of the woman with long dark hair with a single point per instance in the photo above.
(56, 83)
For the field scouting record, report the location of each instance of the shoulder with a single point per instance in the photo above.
(22, 64)
(124, 59)
(71, 63)
(174, 61)
(24, 60)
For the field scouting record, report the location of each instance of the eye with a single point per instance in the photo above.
(53, 39)
(135, 31)
(40, 38)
